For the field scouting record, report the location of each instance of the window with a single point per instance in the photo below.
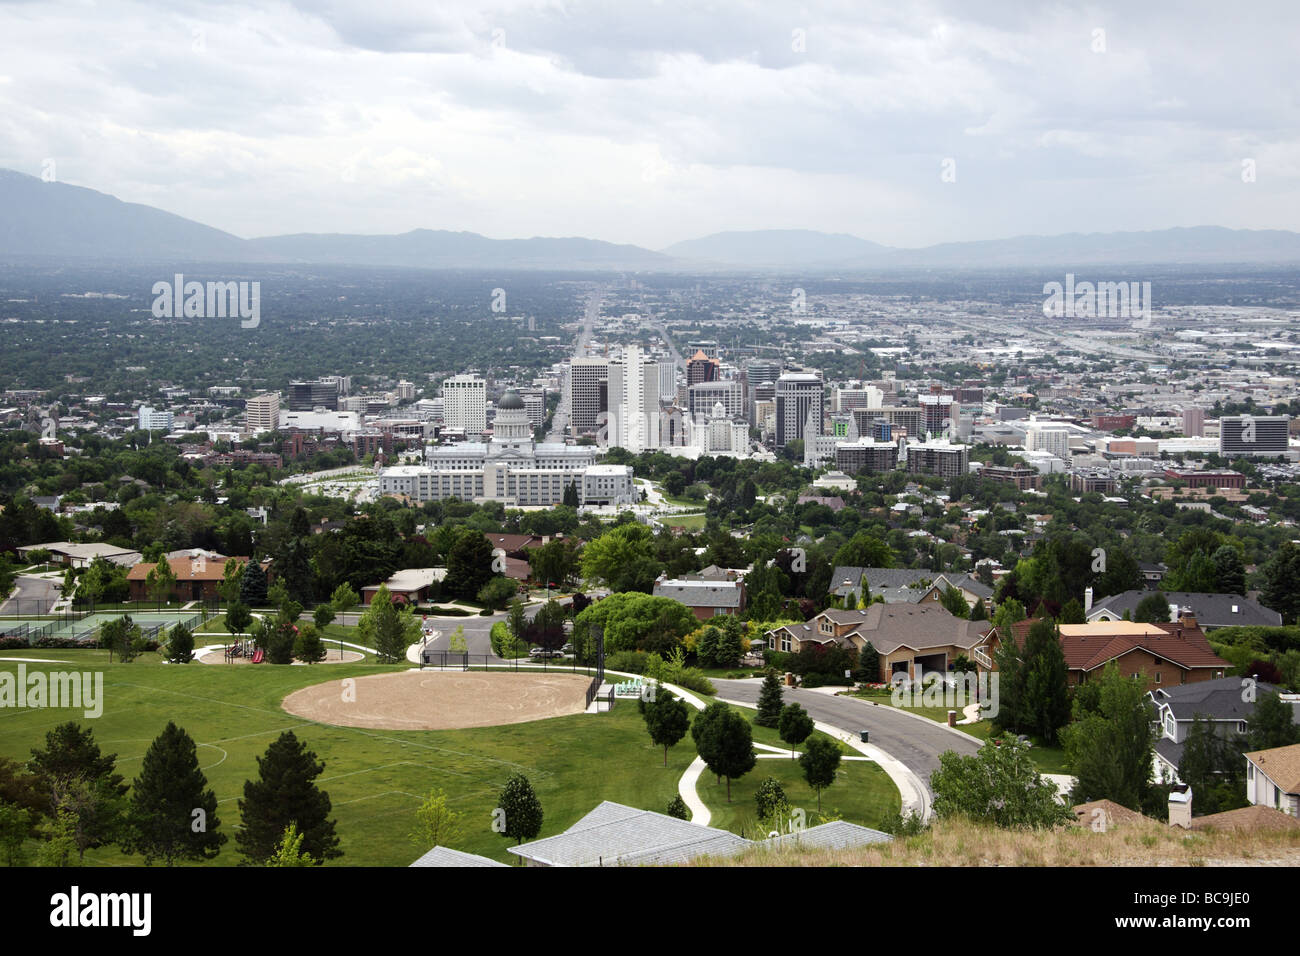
(785, 644)
(1157, 677)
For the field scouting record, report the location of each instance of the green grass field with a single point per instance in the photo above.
(374, 778)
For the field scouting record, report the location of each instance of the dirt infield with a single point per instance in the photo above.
(440, 700)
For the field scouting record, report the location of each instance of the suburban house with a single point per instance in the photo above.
(1212, 611)
(1106, 815)
(80, 555)
(197, 573)
(706, 597)
(1168, 654)
(905, 585)
(408, 586)
(616, 835)
(1273, 778)
(1222, 700)
(516, 548)
(911, 639)
(445, 856)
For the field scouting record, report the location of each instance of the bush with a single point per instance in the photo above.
(12, 643)
(634, 662)
(816, 679)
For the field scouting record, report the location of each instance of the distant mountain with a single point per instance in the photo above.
(57, 220)
(439, 249)
(1197, 245)
(776, 248)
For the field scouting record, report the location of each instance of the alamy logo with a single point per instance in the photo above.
(1116, 300)
(953, 689)
(56, 689)
(212, 300)
(74, 909)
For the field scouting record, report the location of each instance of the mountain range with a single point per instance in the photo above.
(40, 220)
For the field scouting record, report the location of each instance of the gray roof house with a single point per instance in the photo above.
(445, 856)
(1210, 610)
(615, 835)
(707, 597)
(904, 585)
(1227, 701)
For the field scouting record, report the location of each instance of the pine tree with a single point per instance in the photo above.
(1046, 702)
(307, 645)
(180, 645)
(252, 586)
(173, 814)
(677, 808)
(285, 793)
(770, 700)
(519, 809)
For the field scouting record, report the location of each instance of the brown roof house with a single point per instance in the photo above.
(911, 639)
(1273, 778)
(197, 574)
(1163, 654)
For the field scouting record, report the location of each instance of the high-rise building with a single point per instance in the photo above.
(405, 391)
(667, 380)
(799, 395)
(938, 413)
(908, 417)
(153, 419)
(701, 368)
(1054, 440)
(464, 404)
(937, 458)
(534, 404)
(633, 392)
(308, 396)
(262, 413)
(1253, 436)
(869, 457)
(588, 387)
(703, 396)
(1194, 422)
(847, 399)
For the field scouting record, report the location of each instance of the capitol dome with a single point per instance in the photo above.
(510, 399)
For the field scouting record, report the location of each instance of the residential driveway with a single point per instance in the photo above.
(32, 595)
(914, 742)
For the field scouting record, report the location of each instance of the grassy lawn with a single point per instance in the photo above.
(689, 522)
(375, 779)
(862, 793)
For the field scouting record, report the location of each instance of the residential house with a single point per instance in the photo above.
(1273, 778)
(1165, 654)
(198, 575)
(445, 856)
(706, 597)
(1212, 611)
(1223, 701)
(81, 555)
(911, 639)
(905, 585)
(408, 586)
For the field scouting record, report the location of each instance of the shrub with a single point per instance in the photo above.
(12, 643)
(634, 662)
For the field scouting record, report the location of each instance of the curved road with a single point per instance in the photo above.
(913, 741)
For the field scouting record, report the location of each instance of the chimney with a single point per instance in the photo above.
(1180, 806)
(1188, 621)
(1087, 600)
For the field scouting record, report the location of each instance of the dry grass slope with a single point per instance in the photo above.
(964, 843)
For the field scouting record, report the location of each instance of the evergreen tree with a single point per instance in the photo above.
(571, 495)
(955, 602)
(677, 808)
(1281, 590)
(307, 646)
(1229, 571)
(388, 629)
(520, 810)
(667, 719)
(979, 612)
(1272, 724)
(1109, 750)
(768, 797)
(1072, 613)
(1045, 706)
(1212, 766)
(1152, 609)
(180, 645)
(770, 700)
(173, 814)
(285, 793)
(252, 585)
(76, 779)
(469, 563)
(868, 665)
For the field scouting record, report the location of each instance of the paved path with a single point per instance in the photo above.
(911, 742)
(33, 594)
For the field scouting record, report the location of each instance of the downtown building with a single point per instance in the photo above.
(633, 390)
(464, 404)
(308, 396)
(866, 457)
(799, 398)
(703, 397)
(1254, 436)
(938, 458)
(262, 413)
(511, 469)
(588, 392)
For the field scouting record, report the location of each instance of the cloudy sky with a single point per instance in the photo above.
(651, 122)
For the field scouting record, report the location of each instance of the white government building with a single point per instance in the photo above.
(512, 468)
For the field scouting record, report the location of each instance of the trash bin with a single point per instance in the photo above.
(864, 734)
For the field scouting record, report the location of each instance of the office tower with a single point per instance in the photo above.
(1257, 436)
(911, 418)
(262, 413)
(701, 368)
(703, 396)
(709, 347)
(882, 429)
(405, 391)
(588, 385)
(634, 401)
(1053, 440)
(464, 405)
(1194, 422)
(667, 380)
(154, 420)
(866, 457)
(308, 396)
(938, 413)
(798, 396)
(535, 404)
(847, 399)
(937, 458)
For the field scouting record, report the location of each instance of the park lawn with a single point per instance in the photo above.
(689, 522)
(375, 779)
(862, 793)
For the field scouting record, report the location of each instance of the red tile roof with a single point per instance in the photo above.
(1089, 646)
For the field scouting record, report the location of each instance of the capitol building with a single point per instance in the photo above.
(512, 468)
